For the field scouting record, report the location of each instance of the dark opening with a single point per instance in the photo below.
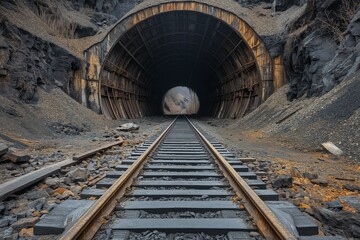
(179, 48)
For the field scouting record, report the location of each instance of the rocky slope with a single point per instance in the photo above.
(322, 47)
(322, 55)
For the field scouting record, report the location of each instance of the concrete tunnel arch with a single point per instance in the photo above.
(190, 43)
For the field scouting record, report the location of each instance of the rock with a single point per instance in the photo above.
(334, 205)
(353, 188)
(284, 180)
(67, 194)
(3, 149)
(52, 182)
(127, 127)
(351, 201)
(76, 189)
(16, 156)
(295, 172)
(343, 223)
(332, 148)
(320, 182)
(37, 204)
(24, 165)
(78, 174)
(58, 191)
(49, 205)
(310, 176)
(26, 232)
(25, 222)
(4, 222)
(41, 193)
(8, 232)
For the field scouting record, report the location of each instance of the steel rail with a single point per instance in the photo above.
(97, 215)
(269, 225)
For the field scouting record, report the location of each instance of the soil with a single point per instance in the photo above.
(58, 127)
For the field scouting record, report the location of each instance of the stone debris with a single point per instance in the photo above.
(321, 182)
(283, 181)
(78, 174)
(351, 201)
(3, 149)
(341, 222)
(16, 156)
(353, 188)
(335, 205)
(128, 127)
(25, 223)
(332, 148)
(295, 172)
(26, 232)
(52, 182)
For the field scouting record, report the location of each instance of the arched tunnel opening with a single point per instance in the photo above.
(180, 48)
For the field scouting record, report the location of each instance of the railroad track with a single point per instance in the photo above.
(181, 183)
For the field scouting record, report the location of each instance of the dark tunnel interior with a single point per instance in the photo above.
(180, 48)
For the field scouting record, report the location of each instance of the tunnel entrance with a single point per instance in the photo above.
(180, 101)
(212, 51)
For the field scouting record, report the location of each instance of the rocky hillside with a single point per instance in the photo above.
(322, 47)
(42, 41)
(322, 56)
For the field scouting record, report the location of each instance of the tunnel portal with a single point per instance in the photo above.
(196, 45)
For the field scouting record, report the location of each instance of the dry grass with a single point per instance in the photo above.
(53, 17)
(335, 23)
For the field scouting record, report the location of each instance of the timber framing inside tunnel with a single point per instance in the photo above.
(179, 43)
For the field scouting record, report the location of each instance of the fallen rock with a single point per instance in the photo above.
(9, 234)
(334, 205)
(320, 182)
(352, 188)
(37, 194)
(26, 232)
(284, 180)
(52, 182)
(16, 156)
(332, 148)
(25, 222)
(37, 204)
(67, 194)
(295, 172)
(342, 222)
(4, 222)
(310, 176)
(78, 175)
(3, 149)
(351, 201)
(127, 127)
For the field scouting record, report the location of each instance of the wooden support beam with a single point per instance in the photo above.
(134, 58)
(227, 56)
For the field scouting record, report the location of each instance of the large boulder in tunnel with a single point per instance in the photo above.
(180, 100)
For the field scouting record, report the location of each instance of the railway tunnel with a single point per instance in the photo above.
(179, 43)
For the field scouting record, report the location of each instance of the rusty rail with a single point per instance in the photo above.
(89, 223)
(269, 225)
